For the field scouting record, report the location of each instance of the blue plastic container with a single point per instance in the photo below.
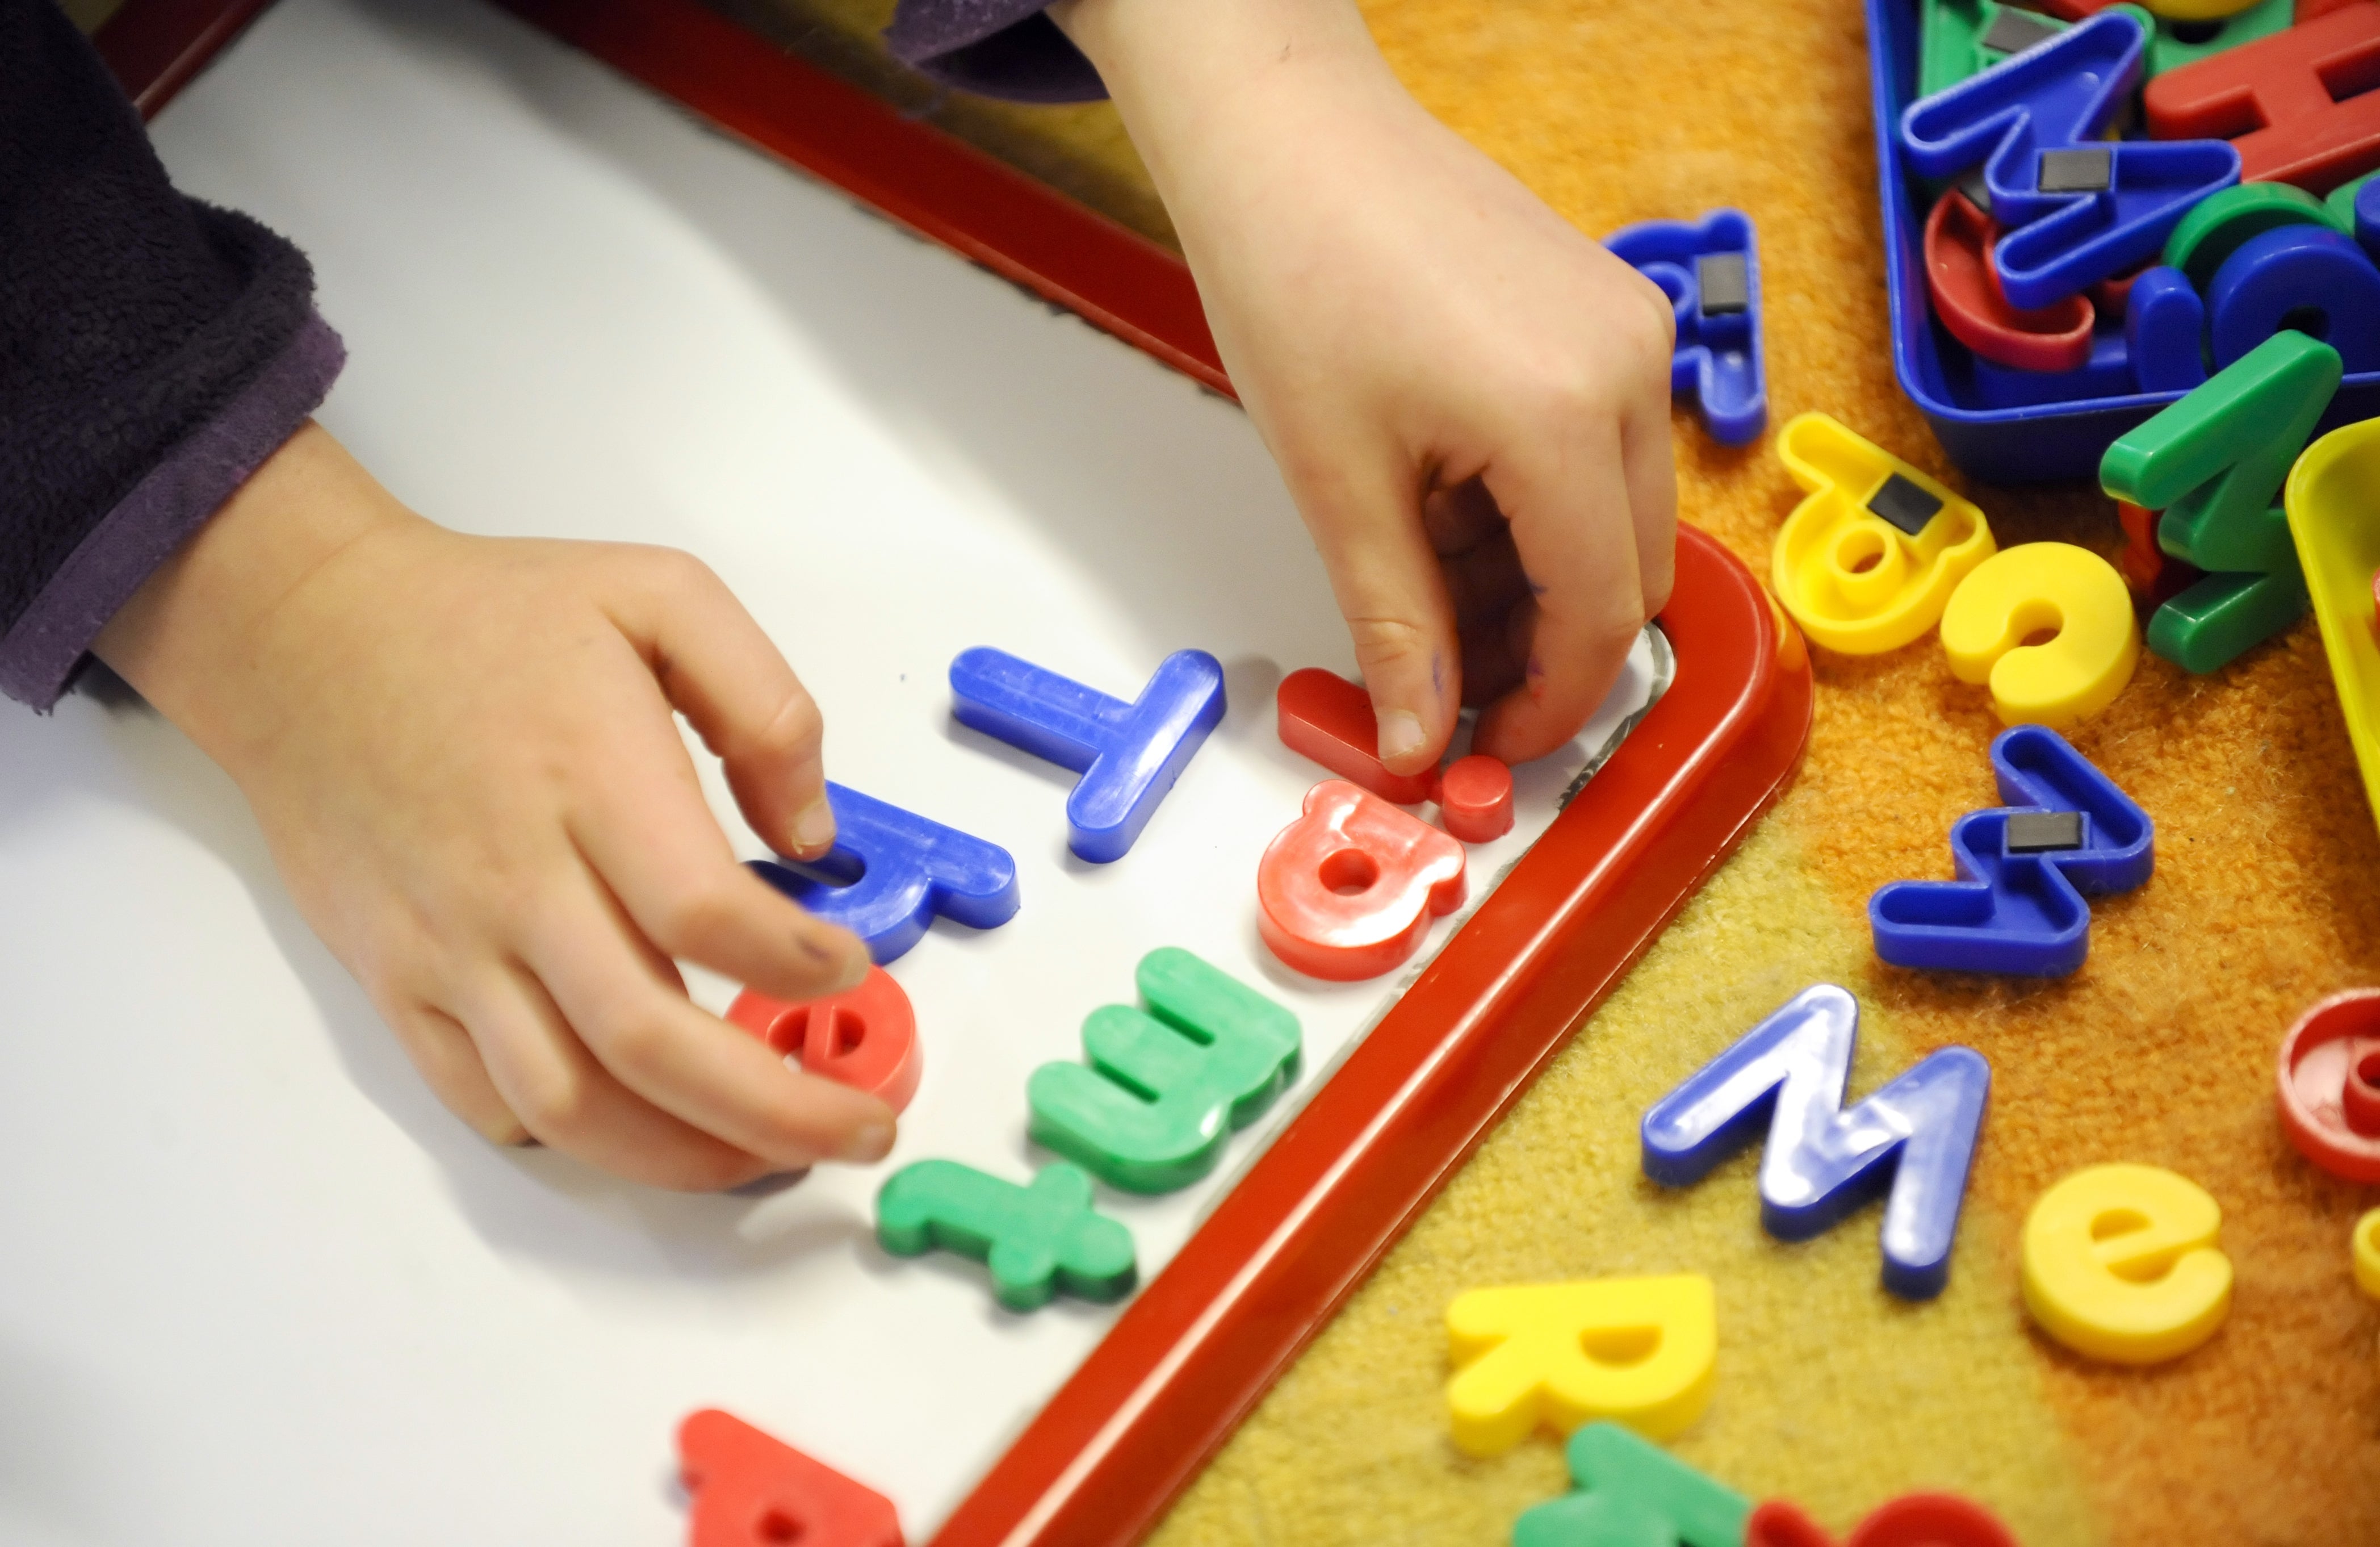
(2029, 445)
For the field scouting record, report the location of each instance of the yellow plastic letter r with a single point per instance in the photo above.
(1643, 1351)
(2120, 1263)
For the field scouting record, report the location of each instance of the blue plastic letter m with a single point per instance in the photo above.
(1915, 1136)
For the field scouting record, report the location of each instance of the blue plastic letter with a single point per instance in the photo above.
(2017, 907)
(902, 870)
(1128, 754)
(2306, 277)
(2165, 328)
(1717, 353)
(2106, 204)
(1917, 1134)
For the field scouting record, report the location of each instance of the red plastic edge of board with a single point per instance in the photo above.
(1195, 1351)
(1203, 1342)
(155, 47)
(943, 190)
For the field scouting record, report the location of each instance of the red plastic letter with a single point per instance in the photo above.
(1959, 241)
(1348, 889)
(1910, 1520)
(2331, 1085)
(1327, 718)
(2300, 103)
(866, 1039)
(1474, 798)
(751, 1491)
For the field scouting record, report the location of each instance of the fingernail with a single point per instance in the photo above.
(815, 827)
(1400, 735)
(871, 1143)
(855, 972)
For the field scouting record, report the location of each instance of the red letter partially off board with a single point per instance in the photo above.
(749, 1489)
(1348, 890)
(865, 1038)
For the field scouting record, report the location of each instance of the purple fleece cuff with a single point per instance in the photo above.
(998, 48)
(38, 655)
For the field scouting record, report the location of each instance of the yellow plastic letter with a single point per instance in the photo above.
(2334, 505)
(2032, 588)
(2119, 1263)
(1639, 1350)
(1854, 580)
(2366, 1250)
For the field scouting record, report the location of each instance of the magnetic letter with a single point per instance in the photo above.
(1638, 1351)
(1791, 1071)
(903, 871)
(2028, 589)
(2119, 1263)
(749, 1489)
(1348, 890)
(1037, 1240)
(1164, 1089)
(1128, 754)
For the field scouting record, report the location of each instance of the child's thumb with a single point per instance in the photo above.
(1394, 596)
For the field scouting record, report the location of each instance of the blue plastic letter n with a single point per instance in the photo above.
(2077, 208)
(1789, 1073)
(1128, 754)
(891, 871)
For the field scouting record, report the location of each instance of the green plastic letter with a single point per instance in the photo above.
(1036, 1239)
(1164, 1088)
(2215, 463)
(1633, 1494)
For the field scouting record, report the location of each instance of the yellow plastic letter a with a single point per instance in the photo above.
(2119, 1263)
(2044, 588)
(1640, 1350)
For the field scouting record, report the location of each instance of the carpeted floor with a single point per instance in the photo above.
(2159, 1051)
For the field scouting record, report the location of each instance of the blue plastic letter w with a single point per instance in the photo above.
(891, 871)
(1128, 754)
(1917, 1135)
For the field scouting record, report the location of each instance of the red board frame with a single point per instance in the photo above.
(1200, 1344)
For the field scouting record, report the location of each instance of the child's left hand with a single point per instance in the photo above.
(1468, 398)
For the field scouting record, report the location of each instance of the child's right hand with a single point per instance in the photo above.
(463, 754)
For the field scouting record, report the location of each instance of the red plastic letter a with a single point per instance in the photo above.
(1348, 890)
(751, 1491)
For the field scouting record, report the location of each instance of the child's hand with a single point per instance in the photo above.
(462, 752)
(1470, 400)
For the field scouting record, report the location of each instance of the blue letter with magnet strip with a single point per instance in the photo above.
(1710, 271)
(891, 871)
(1917, 1135)
(2017, 907)
(2077, 208)
(1128, 754)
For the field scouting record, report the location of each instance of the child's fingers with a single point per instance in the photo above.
(572, 1104)
(451, 1066)
(1387, 580)
(1652, 471)
(642, 826)
(689, 1063)
(1568, 499)
(732, 685)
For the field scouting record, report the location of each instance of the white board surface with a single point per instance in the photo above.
(256, 1286)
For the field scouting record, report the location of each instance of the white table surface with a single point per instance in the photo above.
(256, 1286)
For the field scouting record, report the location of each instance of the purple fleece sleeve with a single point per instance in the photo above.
(153, 352)
(999, 48)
